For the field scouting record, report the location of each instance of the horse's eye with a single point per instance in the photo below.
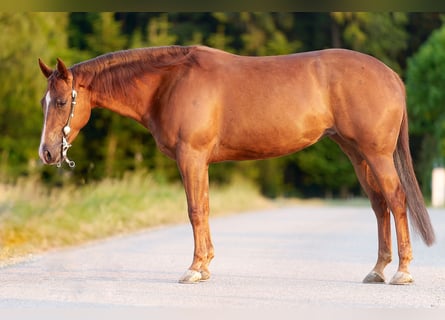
(60, 103)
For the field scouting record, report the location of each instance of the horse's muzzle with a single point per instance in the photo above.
(48, 155)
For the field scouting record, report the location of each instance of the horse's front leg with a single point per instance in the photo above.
(194, 171)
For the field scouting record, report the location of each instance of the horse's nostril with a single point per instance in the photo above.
(48, 156)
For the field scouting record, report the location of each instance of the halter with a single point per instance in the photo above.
(66, 131)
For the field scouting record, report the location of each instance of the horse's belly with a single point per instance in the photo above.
(267, 143)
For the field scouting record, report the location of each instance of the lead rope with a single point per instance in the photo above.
(66, 131)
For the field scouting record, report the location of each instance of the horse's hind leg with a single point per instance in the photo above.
(380, 207)
(388, 180)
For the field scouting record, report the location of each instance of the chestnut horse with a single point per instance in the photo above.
(204, 105)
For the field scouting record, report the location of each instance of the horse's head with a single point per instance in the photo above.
(66, 110)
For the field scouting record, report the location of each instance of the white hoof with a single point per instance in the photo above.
(191, 276)
(402, 278)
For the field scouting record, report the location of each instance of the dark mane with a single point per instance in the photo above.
(112, 73)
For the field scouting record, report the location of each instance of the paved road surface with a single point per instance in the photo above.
(304, 256)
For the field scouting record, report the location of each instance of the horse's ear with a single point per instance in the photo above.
(62, 69)
(47, 71)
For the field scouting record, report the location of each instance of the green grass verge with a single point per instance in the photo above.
(34, 219)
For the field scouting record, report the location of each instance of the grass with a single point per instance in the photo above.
(34, 219)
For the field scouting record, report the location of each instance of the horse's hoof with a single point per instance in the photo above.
(191, 276)
(205, 275)
(402, 278)
(374, 277)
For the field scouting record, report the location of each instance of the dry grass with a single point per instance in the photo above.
(34, 219)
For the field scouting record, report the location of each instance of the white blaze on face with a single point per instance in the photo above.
(47, 100)
(45, 111)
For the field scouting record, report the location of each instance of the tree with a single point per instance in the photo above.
(106, 36)
(382, 35)
(327, 168)
(24, 38)
(102, 148)
(157, 33)
(426, 98)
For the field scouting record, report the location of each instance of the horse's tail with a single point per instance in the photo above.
(419, 217)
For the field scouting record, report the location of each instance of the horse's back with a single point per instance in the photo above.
(300, 76)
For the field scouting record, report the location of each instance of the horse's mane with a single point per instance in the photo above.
(112, 72)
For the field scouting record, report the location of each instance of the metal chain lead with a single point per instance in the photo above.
(66, 131)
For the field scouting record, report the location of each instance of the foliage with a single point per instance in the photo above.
(22, 84)
(426, 98)
(425, 80)
(327, 167)
(34, 218)
(102, 149)
(380, 34)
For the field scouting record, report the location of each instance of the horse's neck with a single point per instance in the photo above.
(129, 88)
(131, 103)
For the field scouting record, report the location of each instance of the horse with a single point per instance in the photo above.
(203, 105)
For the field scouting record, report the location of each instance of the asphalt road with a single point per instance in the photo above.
(304, 256)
